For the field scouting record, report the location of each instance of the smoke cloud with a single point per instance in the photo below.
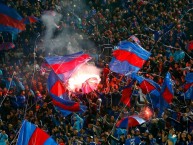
(60, 36)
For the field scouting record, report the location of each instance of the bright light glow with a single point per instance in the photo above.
(146, 113)
(83, 75)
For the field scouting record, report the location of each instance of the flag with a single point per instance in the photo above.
(147, 86)
(128, 58)
(167, 89)
(64, 66)
(130, 121)
(10, 20)
(126, 94)
(167, 93)
(90, 85)
(55, 86)
(153, 99)
(156, 35)
(32, 135)
(60, 98)
(188, 91)
(123, 123)
(30, 20)
(188, 86)
(189, 77)
(7, 46)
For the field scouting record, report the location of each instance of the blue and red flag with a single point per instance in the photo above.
(30, 20)
(128, 58)
(123, 123)
(167, 93)
(147, 86)
(32, 135)
(89, 85)
(64, 66)
(188, 86)
(56, 87)
(60, 98)
(10, 20)
(153, 99)
(130, 121)
(126, 95)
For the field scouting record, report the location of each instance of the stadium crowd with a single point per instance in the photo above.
(164, 27)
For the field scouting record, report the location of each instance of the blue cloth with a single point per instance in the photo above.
(153, 141)
(173, 139)
(21, 100)
(28, 133)
(120, 132)
(10, 84)
(3, 139)
(1, 72)
(137, 140)
(78, 124)
(130, 141)
(12, 20)
(189, 78)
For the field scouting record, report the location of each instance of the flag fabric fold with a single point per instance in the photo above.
(32, 135)
(167, 93)
(188, 86)
(30, 20)
(130, 121)
(188, 91)
(56, 87)
(123, 123)
(64, 66)
(147, 86)
(60, 97)
(128, 58)
(10, 20)
(126, 95)
(89, 85)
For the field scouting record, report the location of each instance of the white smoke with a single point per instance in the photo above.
(65, 40)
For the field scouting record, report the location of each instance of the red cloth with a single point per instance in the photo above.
(106, 71)
(190, 45)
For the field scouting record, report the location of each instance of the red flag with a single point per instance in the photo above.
(126, 94)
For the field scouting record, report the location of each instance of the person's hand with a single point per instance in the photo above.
(185, 114)
(163, 133)
(179, 134)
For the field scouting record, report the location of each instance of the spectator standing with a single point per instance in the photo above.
(3, 138)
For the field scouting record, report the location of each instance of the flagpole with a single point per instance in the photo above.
(120, 114)
(17, 133)
(7, 89)
(34, 70)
